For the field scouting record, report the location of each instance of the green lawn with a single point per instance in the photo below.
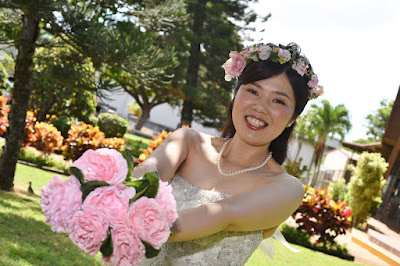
(26, 239)
(306, 257)
(135, 143)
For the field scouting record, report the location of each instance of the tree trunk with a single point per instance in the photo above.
(187, 113)
(21, 92)
(143, 118)
(197, 11)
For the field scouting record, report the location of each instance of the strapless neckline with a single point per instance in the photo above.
(225, 195)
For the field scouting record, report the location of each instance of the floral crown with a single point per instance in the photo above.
(237, 62)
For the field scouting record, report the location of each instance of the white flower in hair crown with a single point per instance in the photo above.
(237, 62)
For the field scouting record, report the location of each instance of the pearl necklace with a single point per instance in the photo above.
(240, 171)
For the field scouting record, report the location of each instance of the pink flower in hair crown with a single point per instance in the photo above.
(234, 65)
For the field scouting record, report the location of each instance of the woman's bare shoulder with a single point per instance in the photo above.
(192, 136)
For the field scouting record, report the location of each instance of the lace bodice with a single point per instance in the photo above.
(222, 248)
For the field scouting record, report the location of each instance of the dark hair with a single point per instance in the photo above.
(265, 69)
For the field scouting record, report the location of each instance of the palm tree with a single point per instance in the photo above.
(327, 120)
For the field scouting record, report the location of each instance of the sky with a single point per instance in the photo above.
(353, 46)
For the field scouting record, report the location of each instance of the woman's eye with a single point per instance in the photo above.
(279, 101)
(253, 91)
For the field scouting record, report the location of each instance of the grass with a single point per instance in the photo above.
(26, 239)
(306, 257)
(132, 137)
(135, 143)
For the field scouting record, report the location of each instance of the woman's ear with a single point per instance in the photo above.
(291, 122)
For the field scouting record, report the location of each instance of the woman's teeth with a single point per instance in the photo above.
(255, 122)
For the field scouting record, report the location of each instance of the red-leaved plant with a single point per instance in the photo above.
(4, 109)
(321, 216)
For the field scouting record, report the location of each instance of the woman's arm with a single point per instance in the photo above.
(264, 207)
(168, 156)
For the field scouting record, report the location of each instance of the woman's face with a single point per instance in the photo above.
(262, 109)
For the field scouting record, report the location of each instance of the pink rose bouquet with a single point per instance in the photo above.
(102, 208)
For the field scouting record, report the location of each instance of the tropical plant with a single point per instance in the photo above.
(327, 120)
(81, 138)
(46, 138)
(366, 184)
(321, 216)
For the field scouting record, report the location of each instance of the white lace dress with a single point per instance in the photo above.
(223, 248)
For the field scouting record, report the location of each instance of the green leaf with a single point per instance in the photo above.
(150, 251)
(89, 186)
(140, 185)
(107, 247)
(128, 157)
(153, 178)
(77, 173)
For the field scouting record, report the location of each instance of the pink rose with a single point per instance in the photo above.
(234, 65)
(111, 201)
(167, 202)
(313, 82)
(59, 201)
(88, 230)
(149, 220)
(127, 247)
(103, 164)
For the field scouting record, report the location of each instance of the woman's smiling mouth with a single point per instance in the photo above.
(255, 123)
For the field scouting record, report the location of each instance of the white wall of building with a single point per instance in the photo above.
(163, 114)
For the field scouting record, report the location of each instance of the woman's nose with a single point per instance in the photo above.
(261, 107)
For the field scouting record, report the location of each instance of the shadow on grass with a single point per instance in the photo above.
(27, 240)
(15, 202)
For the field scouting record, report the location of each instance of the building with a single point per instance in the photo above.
(389, 212)
(162, 117)
(300, 148)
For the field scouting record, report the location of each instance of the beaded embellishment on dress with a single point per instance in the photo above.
(222, 248)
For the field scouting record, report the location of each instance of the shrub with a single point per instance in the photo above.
(46, 138)
(30, 122)
(112, 125)
(84, 137)
(4, 109)
(152, 145)
(81, 138)
(366, 184)
(294, 168)
(338, 190)
(63, 124)
(113, 143)
(319, 215)
(42, 160)
(295, 236)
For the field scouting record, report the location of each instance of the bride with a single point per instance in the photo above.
(232, 192)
